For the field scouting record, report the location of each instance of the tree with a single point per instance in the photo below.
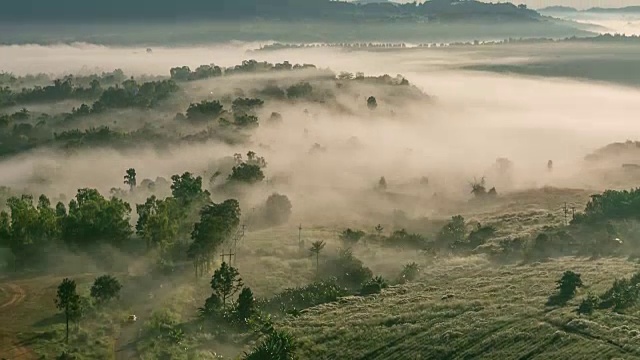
(379, 229)
(299, 91)
(382, 184)
(567, 286)
(105, 288)
(372, 103)
(246, 305)
(205, 110)
(277, 209)
(67, 301)
(92, 220)
(159, 221)
(409, 272)
(187, 189)
(217, 223)
(246, 173)
(316, 248)
(130, 179)
(373, 286)
(225, 282)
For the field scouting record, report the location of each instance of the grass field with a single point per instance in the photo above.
(459, 308)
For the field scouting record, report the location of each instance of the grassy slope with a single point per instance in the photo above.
(495, 311)
(492, 312)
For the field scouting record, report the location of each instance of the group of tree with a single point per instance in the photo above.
(74, 306)
(61, 89)
(184, 73)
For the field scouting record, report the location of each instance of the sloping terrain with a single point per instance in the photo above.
(471, 309)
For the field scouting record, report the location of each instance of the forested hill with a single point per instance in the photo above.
(141, 10)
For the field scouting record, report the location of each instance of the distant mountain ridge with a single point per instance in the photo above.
(142, 10)
(558, 9)
(568, 9)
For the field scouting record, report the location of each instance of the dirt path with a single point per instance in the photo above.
(17, 295)
(10, 348)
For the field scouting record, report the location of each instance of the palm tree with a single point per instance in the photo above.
(130, 178)
(315, 248)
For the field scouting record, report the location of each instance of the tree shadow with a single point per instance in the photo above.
(51, 320)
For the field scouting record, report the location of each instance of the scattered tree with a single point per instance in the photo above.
(225, 282)
(315, 249)
(105, 288)
(67, 301)
(372, 103)
(130, 179)
(567, 287)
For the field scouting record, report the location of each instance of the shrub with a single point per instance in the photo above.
(409, 273)
(300, 298)
(349, 271)
(278, 345)
(567, 287)
(588, 305)
(373, 286)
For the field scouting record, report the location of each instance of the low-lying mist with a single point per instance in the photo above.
(328, 161)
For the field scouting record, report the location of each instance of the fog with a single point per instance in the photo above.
(628, 23)
(472, 119)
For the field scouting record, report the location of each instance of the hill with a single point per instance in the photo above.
(557, 9)
(146, 10)
(628, 9)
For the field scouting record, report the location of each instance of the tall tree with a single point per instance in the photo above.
(67, 301)
(246, 305)
(316, 248)
(130, 178)
(218, 222)
(225, 282)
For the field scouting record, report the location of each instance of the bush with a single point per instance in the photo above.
(409, 273)
(348, 270)
(373, 286)
(622, 294)
(351, 237)
(588, 305)
(278, 345)
(567, 287)
(277, 209)
(300, 298)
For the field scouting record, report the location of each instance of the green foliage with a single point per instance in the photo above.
(105, 288)
(245, 307)
(452, 233)
(348, 270)
(246, 105)
(243, 120)
(246, 173)
(92, 220)
(567, 287)
(373, 286)
(225, 282)
(623, 294)
(409, 273)
(187, 189)
(130, 178)
(588, 304)
(300, 298)
(611, 205)
(351, 237)
(205, 110)
(217, 223)
(278, 345)
(158, 221)
(184, 73)
(68, 301)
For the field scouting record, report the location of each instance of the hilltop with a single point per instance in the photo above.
(435, 10)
